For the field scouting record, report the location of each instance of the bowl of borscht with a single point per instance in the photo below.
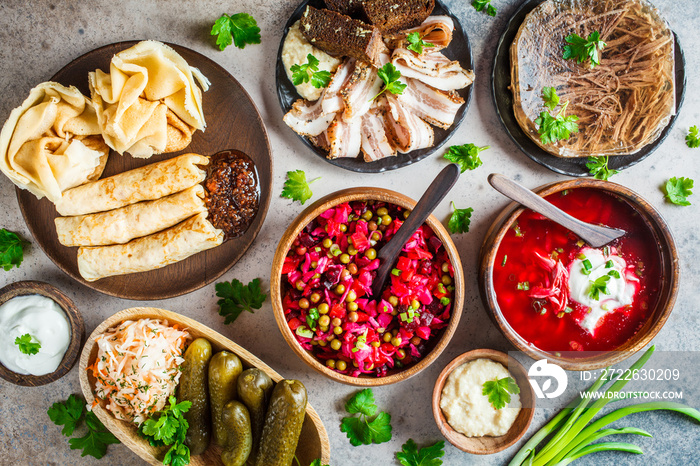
(555, 297)
(322, 274)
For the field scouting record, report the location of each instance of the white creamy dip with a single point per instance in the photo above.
(621, 285)
(45, 321)
(467, 410)
(295, 51)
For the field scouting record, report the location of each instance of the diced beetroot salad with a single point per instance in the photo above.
(329, 271)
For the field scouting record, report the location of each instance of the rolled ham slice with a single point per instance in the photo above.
(177, 243)
(121, 225)
(142, 184)
(434, 69)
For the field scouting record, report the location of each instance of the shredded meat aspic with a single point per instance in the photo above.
(232, 193)
(625, 102)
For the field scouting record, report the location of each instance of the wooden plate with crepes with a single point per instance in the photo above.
(233, 122)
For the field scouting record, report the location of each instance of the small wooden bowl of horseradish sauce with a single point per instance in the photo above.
(464, 414)
(42, 333)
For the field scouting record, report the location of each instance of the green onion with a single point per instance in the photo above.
(587, 267)
(606, 432)
(614, 274)
(395, 272)
(444, 300)
(606, 251)
(609, 264)
(335, 250)
(302, 331)
(524, 286)
(505, 258)
(598, 447)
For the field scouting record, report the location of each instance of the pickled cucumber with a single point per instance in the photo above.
(238, 441)
(193, 388)
(254, 389)
(224, 369)
(285, 417)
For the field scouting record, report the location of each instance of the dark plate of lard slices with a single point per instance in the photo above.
(458, 50)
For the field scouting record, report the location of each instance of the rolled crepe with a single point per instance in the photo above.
(121, 225)
(150, 252)
(142, 184)
(148, 103)
(52, 142)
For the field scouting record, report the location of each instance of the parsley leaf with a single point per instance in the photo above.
(416, 43)
(309, 72)
(692, 139)
(390, 75)
(678, 189)
(11, 249)
(237, 298)
(410, 455)
(598, 167)
(550, 97)
(362, 429)
(479, 5)
(95, 441)
(459, 220)
(553, 129)
(67, 414)
(317, 462)
(499, 391)
(240, 29)
(581, 49)
(296, 187)
(178, 455)
(26, 345)
(466, 156)
(600, 285)
(169, 427)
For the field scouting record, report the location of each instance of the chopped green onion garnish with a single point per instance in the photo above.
(518, 232)
(524, 286)
(609, 264)
(606, 251)
(614, 274)
(317, 249)
(302, 331)
(335, 250)
(396, 272)
(441, 288)
(505, 258)
(587, 267)
(569, 310)
(444, 300)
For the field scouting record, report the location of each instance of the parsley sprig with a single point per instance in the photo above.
(27, 345)
(556, 128)
(169, 428)
(459, 220)
(11, 249)
(69, 414)
(411, 455)
(236, 298)
(240, 29)
(306, 72)
(581, 49)
(416, 43)
(678, 189)
(317, 462)
(296, 187)
(598, 167)
(390, 75)
(692, 139)
(550, 97)
(480, 5)
(466, 156)
(369, 427)
(499, 391)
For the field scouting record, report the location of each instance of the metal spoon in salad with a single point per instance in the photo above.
(596, 236)
(435, 193)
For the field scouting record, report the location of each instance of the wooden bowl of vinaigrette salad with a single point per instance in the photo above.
(555, 298)
(485, 444)
(403, 334)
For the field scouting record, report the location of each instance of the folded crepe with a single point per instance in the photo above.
(148, 103)
(147, 183)
(151, 252)
(52, 142)
(121, 225)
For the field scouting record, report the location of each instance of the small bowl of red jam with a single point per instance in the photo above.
(322, 275)
(555, 297)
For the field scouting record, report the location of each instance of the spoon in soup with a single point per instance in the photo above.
(435, 193)
(596, 236)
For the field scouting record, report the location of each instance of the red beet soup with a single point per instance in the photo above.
(544, 285)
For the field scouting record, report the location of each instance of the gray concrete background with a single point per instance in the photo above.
(38, 38)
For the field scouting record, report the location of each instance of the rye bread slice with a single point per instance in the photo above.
(394, 15)
(346, 7)
(340, 35)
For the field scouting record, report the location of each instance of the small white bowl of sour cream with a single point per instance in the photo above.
(42, 333)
